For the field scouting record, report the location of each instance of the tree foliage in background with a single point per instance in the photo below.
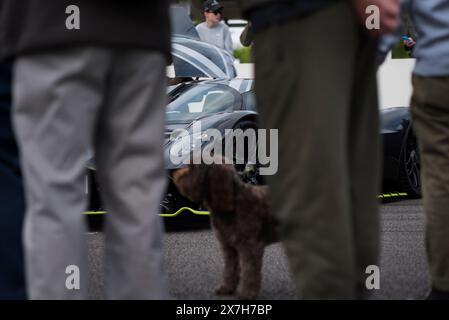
(243, 54)
(399, 50)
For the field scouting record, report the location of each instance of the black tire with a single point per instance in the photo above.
(410, 165)
(248, 172)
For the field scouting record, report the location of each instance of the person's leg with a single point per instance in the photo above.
(430, 110)
(304, 87)
(131, 172)
(56, 98)
(12, 203)
(364, 161)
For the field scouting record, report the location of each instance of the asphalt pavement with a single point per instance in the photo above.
(194, 262)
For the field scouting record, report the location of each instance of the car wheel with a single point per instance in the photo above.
(410, 165)
(249, 172)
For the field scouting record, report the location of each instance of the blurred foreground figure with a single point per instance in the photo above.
(90, 73)
(316, 83)
(246, 37)
(12, 203)
(430, 111)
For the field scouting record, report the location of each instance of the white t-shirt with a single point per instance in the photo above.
(219, 35)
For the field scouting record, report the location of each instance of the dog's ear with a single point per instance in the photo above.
(197, 174)
(185, 181)
(179, 175)
(222, 184)
(195, 183)
(181, 180)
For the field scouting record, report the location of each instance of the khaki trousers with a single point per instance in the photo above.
(430, 111)
(113, 101)
(316, 83)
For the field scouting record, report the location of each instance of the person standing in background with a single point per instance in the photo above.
(430, 114)
(214, 31)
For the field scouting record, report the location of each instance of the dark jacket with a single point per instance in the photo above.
(39, 25)
(12, 208)
(249, 5)
(7, 144)
(263, 13)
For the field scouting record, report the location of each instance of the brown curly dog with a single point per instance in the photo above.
(241, 220)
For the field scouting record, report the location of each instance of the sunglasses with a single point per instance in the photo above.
(217, 12)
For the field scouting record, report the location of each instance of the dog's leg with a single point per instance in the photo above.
(231, 268)
(251, 258)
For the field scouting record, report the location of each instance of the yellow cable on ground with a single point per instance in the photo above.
(165, 215)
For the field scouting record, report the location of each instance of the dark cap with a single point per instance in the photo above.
(212, 5)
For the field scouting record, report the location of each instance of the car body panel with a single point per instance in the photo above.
(394, 125)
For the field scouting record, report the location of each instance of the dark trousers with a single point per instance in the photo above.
(316, 83)
(12, 204)
(430, 110)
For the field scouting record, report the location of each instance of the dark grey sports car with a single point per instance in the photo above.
(230, 104)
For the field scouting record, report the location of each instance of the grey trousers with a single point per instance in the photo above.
(316, 83)
(114, 101)
(430, 111)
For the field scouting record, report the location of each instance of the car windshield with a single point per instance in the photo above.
(202, 100)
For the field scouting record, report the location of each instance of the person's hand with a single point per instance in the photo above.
(409, 42)
(389, 15)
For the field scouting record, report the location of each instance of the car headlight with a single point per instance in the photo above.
(184, 144)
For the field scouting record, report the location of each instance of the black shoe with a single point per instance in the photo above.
(438, 295)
